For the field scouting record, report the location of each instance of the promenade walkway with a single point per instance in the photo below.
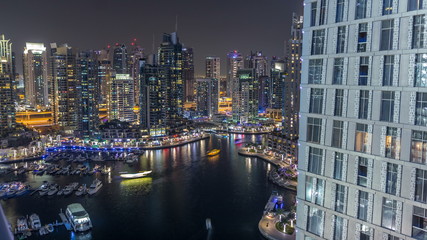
(176, 144)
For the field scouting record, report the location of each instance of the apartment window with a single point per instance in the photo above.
(340, 198)
(362, 137)
(392, 143)
(421, 186)
(339, 228)
(338, 166)
(362, 37)
(315, 68)
(322, 17)
(313, 14)
(387, 7)
(340, 11)
(363, 104)
(419, 147)
(361, 9)
(315, 160)
(419, 223)
(365, 233)
(318, 42)
(415, 5)
(363, 71)
(420, 70)
(421, 109)
(362, 172)
(314, 190)
(391, 237)
(320, 190)
(339, 102)
(341, 39)
(338, 73)
(418, 30)
(362, 212)
(387, 34)
(314, 129)
(316, 100)
(337, 132)
(388, 70)
(387, 106)
(391, 178)
(389, 213)
(315, 220)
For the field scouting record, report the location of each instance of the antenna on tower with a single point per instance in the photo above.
(176, 23)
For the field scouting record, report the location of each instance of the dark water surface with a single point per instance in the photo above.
(185, 188)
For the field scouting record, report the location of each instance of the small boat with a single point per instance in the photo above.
(94, 187)
(213, 152)
(82, 190)
(22, 191)
(52, 191)
(135, 175)
(78, 217)
(21, 224)
(67, 190)
(35, 221)
(60, 192)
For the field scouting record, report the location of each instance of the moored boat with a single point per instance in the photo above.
(135, 175)
(78, 217)
(82, 190)
(94, 187)
(213, 152)
(34, 221)
(21, 224)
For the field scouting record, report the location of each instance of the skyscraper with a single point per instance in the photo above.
(362, 164)
(35, 75)
(120, 59)
(234, 63)
(7, 104)
(121, 99)
(135, 58)
(277, 75)
(245, 96)
(104, 75)
(188, 73)
(207, 96)
(171, 64)
(213, 67)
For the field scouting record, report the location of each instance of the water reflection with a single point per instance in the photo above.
(138, 186)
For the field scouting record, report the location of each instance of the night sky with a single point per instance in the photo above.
(211, 27)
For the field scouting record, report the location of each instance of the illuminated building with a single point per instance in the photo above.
(277, 75)
(234, 63)
(104, 75)
(213, 67)
(188, 73)
(35, 75)
(245, 96)
(135, 57)
(7, 104)
(121, 99)
(207, 96)
(120, 59)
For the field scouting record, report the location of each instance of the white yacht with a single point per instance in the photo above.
(78, 217)
(94, 187)
(135, 175)
(21, 224)
(82, 190)
(35, 223)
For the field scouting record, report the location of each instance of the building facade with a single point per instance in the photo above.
(213, 67)
(234, 63)
(7, 103)
(245, 96)
(207, 97)
(121, 99)
(35, 75)
(362, 164)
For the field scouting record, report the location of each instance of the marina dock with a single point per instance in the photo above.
(65, 221)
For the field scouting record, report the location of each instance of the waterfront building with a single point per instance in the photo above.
(121, 99)
(234, 63)
(188, 73)
(362, 164)
(277, 75)
(207, 97)
(213, 67)
(135, 58)
(245, 96)
(65, 86)
(120, 59)
(35, 75)
(104, 76)
(7, 103)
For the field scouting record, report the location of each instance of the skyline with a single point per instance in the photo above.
(212, 33)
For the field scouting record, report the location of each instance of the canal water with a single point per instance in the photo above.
(185, 188)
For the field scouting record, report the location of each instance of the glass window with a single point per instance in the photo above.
(337, 76)
(341, 39)
(387, 106)
(421, 109)
(314, 129)
(340, 11)
(337, 131)
(392, 143)
(313, 14)
(361, 9)
(340, 198)
(315, 160)
(418, 31)
(339, 102)
(389, 213)
(314, 190)
(363, 104)
(387, 7)
(415, 5)
(365, 233)
(419, 147)
(388, 70)
(362, 137)
(362, 37)
(338, 166)
(362, 172)
(314, 221)
(362, 212)
(363, 71)
(309, 188)
(420, 70)
(322, 17)
(315, 69)
(338, 229)
(421, 186)
(318, 42)
(387, 34)
(419, 223)
(391, 178)
(391, 237)
(316, 100)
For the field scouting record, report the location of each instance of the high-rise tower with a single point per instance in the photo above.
(188, 73)
(213, 67)
(35, 75)
(7, 104)
(234, 63)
